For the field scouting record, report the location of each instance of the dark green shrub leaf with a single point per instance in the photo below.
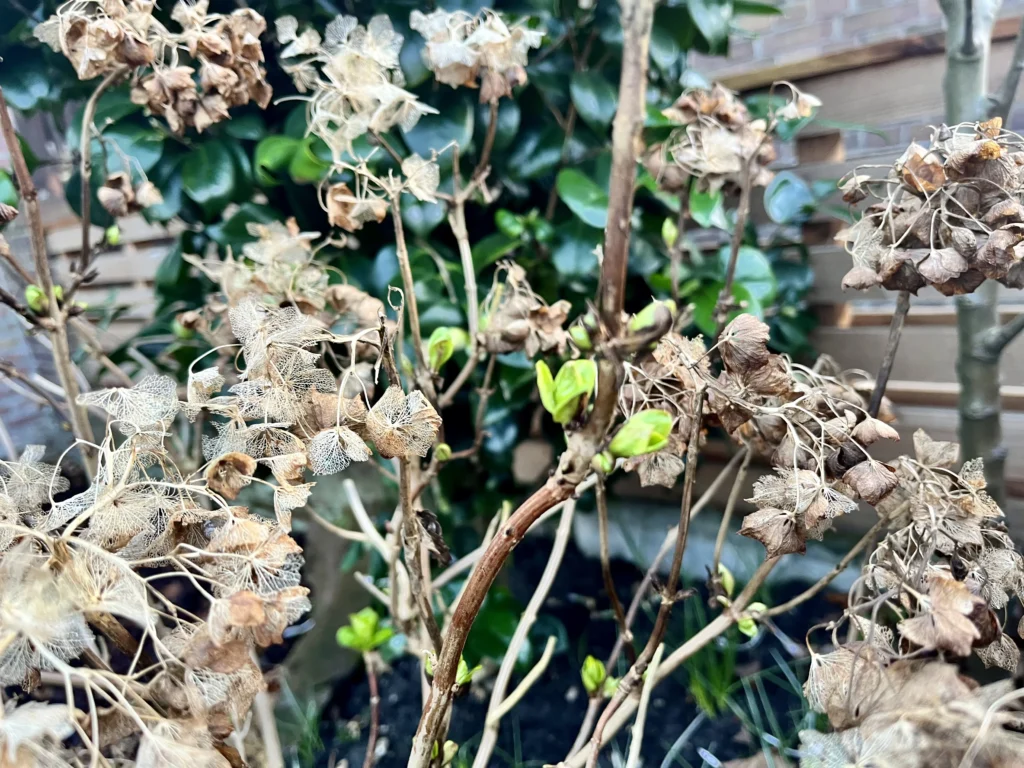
(595, 98)
(712, 18)
(493, 247)
(787, 198)
(708, 209)
(208, 175)
(273, 155)
(587, 200)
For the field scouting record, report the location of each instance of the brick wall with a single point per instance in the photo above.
(808, 29)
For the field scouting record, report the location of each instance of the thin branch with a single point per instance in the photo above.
(633, 760)
(669, 595)
(724, 302)
(601, 495)
(61, 349)
(264, 710)
(899, 317)
(1001, 337)
(582, 445)
(825, 580)
(371, 741)
(411, 536)
(85, 168)
(730, 506)
(492, 132)
(496, 709)
(529, 679)
(1000, 105)
(457, 222)
(708, 634)
(423, 378)
(637, 19)
(11, 372)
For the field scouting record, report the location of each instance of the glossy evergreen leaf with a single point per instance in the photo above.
(585, 199)
(131, 147)
(595, 98)
(208, 175)
(248, 127)
(708, 209)
(24, 78)
(788, 199)
(712, 18)
(492, 248)
(432, 133)
(272, 156)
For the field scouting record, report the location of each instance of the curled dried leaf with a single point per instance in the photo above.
(230, 473)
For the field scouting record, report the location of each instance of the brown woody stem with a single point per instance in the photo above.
(668, 597)
(59, 333)
(895, 331)
(601, 495)
(85, 167)
(371, 740)
(582, 445)
(742, 213)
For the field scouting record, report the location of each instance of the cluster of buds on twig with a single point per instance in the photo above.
(946, 215)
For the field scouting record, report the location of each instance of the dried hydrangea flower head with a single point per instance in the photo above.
(514, 318)
(352, 78)
(472, 51)
(226, 59)
(718, 144)
(946, 214)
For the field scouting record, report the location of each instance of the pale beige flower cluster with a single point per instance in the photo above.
(476, 51)
(107, 36)
(352, 78)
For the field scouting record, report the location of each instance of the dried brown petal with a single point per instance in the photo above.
(401, 425)
(230, 473)
(8, 213)
(853, 188)
(861, 279)
(744, 344)
(922, 170)
(872, 430)
(990, 129)
(872, 480)
(997, 255)
(945, 623)
(781, 531)
(349, 212)
(935, 453)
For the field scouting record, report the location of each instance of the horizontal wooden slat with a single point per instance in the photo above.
(858, 314)
(926, 353)
(127, 266)
(904, 89)
(856, 58)
(137, 302)
(134, 229)
(946, 394)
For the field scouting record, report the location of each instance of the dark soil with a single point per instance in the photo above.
(542, 728)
